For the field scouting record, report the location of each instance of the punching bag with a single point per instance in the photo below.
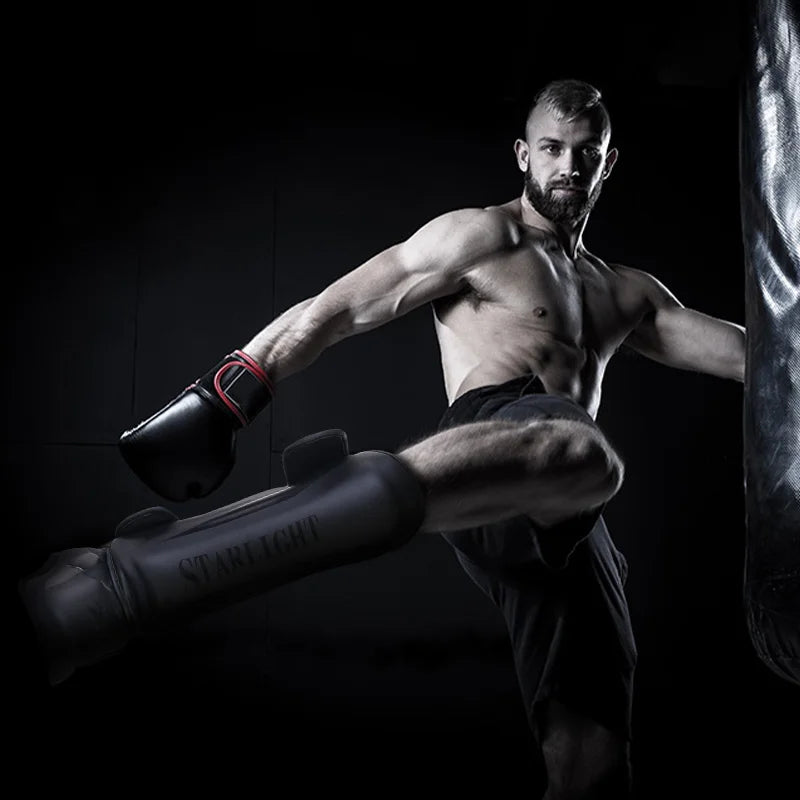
(770, 206)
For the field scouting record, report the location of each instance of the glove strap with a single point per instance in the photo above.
(237, 385)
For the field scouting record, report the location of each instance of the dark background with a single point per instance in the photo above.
(176, 183)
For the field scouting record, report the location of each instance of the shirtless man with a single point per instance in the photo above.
(518, 473)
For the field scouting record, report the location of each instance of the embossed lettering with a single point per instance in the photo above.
(185, 568)
(248, 555)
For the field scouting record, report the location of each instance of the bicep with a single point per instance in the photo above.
(381, 289)
(661, 319)
(669, 334)
(431, 263)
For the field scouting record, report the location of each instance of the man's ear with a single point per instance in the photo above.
(523, 154)
(611, 159)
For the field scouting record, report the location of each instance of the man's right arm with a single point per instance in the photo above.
(187, 448)
(432, 263)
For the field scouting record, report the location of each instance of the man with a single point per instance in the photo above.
(518, 474)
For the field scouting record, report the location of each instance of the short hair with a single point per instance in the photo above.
(569, 99)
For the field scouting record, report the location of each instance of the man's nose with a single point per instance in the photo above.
(570, 166)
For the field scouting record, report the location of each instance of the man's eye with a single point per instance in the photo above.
(592, 152)
(551, 148)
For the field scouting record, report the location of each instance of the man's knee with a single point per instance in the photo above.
(580, 457)
(583, 759)
(603, 465)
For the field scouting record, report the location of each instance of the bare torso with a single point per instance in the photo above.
(533, 309)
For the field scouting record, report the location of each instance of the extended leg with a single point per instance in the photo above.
(336, 509)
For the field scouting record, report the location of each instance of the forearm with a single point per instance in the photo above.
(688, 339)
(295, 339)
(723, 349)
(738, 337)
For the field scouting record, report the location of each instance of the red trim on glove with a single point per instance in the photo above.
(256, 370)
(225, 399)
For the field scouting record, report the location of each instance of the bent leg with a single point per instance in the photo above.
(572, 643)
(488, 471)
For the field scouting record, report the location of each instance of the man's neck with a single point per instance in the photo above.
(569, 236)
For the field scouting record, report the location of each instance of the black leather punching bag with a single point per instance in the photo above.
(770, 200)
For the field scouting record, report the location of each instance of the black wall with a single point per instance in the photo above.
(179, 182)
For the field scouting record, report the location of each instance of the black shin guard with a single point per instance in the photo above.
(158, 570)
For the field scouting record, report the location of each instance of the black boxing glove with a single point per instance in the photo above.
(188, 448)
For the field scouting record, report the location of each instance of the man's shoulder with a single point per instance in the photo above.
(500, 217)
(636, 277)
(486, 229)
(507, 214)
(644, 284)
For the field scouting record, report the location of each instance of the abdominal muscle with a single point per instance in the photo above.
(482, 348)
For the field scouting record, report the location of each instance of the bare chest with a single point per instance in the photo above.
(533, 293)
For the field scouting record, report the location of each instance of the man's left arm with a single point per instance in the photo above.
(684, 338)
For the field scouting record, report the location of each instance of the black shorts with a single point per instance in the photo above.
(560, 589)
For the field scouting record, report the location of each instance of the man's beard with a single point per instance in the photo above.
(560, 208)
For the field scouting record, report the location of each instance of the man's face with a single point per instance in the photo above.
(565, 164)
